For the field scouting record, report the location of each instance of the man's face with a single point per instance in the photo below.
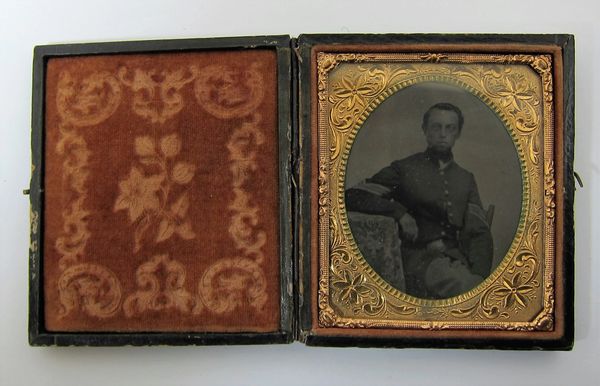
(442, 130)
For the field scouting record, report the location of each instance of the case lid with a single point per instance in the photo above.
(160, 195)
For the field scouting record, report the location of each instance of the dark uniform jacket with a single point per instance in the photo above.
(443, 199)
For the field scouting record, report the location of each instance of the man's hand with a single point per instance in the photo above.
(436, 246)
(410, 231)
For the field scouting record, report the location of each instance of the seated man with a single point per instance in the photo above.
(446, 241)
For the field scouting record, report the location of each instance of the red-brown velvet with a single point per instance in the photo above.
(203, 262)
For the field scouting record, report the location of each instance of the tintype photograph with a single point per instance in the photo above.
(433, 190)
(437, 199)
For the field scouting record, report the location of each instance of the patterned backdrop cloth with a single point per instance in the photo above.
(161, 192)
(377, 238)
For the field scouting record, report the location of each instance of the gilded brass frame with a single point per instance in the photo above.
(519, 294)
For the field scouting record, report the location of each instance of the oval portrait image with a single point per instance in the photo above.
(433, 190)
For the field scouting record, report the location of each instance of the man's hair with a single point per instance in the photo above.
(446, 107)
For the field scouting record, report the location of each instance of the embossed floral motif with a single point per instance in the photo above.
(549, 191)
(500, 294)
(157, 96)
(92, 287)
(229, 92)
(515, 91)
(353, 91)
(88, 101)
(228, 283)
(351, 94)
(160, 286)
(146, 194)
(138, 193)
(244, 225)
(351, 288)
(514, 291)
(80, 103)
(323, 190)
(71, 244)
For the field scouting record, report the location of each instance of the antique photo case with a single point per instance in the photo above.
(340, 190)
(440, 180)
(160, 196)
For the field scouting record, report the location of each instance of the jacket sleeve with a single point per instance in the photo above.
(374, 195)
(476, 238)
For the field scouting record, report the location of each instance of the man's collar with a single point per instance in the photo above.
(437, 156)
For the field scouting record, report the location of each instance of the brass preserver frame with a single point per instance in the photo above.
(519, 294)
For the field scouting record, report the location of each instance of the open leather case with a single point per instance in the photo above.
(342, 190)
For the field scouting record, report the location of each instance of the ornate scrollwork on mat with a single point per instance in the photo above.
(156, 93)
(160, 287)
(519, 294)
(83, 103)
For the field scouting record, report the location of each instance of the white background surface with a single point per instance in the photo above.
(24, 24)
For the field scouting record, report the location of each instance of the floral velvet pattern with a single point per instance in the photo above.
(147, 198)
(161, 204)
